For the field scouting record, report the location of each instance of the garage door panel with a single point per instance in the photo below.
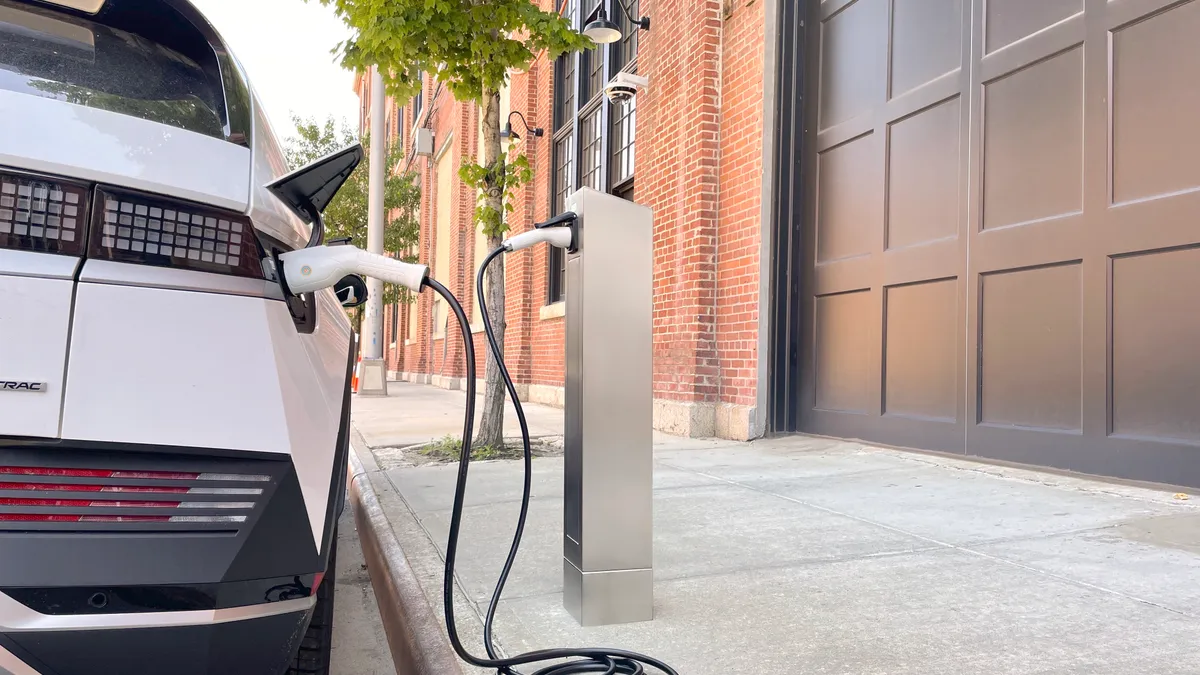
(1060, 38)
(853, 61)
(846, 329)
(1155, 378)
(924, 195)
(836, 135)
(1132, 459)
(830, 7)
(849, 213)
(1162, 222)
(1008, 21)
(1031, 348)
(1156, 105)
(842, 276)
(921, 357)
(1020, 281)
(926, 42)
(1120, 13)
(896, 430)
(1033, 142)
(934, 260)
(1030, 244)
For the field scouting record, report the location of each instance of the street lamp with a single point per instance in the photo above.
(602, 31)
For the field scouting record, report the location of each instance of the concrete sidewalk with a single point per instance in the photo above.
(807, 555)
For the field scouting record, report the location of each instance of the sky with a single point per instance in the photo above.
(285, 46)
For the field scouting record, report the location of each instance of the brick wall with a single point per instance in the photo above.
(679, 149)
(699, 167)
(739, 212)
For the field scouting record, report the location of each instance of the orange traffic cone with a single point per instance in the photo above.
(354, 378)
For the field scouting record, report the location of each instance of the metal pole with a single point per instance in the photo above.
(374, 370)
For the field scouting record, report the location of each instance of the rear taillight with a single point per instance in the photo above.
(35, 494)
(42, 214)
(136, 228)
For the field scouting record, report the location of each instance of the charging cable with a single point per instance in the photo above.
(559, 231)
(318, 267)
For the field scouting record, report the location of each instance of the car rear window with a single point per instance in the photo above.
(63, 57)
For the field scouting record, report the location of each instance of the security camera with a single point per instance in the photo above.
(624, 86)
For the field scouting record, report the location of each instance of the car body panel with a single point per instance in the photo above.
(65, 139)
(150, 368)
(34, 321)
(163, 367)
(270, 215)
(11, 665)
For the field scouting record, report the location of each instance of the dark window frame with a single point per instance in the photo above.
(418, 100)
(580, 99)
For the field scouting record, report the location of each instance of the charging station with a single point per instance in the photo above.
(608, 574)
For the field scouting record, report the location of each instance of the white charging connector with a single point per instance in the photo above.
(555, 236)
(312, 269)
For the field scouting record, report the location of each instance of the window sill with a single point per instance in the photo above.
(476, 328)
(555, 310)
(407, 342)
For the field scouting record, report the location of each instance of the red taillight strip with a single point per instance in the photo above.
(66, 518)
(139, 475)
(16, 501)
(133, 489)
(31, 518)
(113, 504)
(70, 473)
(59, 487)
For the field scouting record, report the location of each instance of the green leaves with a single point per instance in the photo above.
(346, 215)
(468, 45)
(502, 178)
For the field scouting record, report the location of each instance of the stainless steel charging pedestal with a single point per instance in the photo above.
(608, 572)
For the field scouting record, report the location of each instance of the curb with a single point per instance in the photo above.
(413, 628)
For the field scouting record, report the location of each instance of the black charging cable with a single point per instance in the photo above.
(608, 661)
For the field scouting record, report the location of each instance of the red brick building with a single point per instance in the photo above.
(690, 146)
(955, 225)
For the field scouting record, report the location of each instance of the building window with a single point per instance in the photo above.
(624, 122)
(564, 90)
(589, 157)
(443, 205)
(592, 61)
(625, 49)
(395, 323)
(564, 185)
(418, 102)
(593, 139)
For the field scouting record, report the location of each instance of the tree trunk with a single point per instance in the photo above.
(491, 425)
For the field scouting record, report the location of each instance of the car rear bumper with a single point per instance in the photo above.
(259, 640)
(91, 584)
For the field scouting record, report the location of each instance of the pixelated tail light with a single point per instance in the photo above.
(133, 228)
(42, 214)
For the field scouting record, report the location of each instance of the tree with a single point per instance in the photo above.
(346, 215)
(469, 46)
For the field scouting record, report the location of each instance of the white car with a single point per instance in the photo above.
(173, 431)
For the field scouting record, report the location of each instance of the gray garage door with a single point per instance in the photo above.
(1005, 251)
